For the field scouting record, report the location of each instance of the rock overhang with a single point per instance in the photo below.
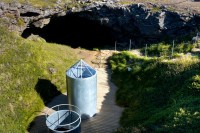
(137, 21)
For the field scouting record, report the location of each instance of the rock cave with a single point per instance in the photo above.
(74, 31)
(100, 26)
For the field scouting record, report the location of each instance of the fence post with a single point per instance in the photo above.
(115, 45)
(130, 45)
(146, 50)
(100, 60)
(197, 40)
(172, 49)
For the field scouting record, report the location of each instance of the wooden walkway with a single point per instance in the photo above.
(107, 118)
(108, 113)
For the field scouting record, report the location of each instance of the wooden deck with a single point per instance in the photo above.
(107, 118)
(108, 113)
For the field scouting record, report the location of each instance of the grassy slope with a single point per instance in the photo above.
(22, 62)
(42, 3)
(34, 2)
(159, 96)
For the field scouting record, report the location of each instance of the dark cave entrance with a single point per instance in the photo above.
(74, 31)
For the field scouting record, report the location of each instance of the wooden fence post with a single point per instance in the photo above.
(130, 45)
(146, 50)
(172, 49)
(115, 46)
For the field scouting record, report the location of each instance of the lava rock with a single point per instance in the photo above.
(141, 22)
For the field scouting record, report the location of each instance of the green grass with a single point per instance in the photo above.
(41, 3)
(22, 64)
(158, 95)
(165, 50)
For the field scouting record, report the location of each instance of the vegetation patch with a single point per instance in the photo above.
(41, 3)
(165, 50)
(30, 70)
(158, 95)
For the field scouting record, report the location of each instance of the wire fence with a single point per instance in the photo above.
(122, 46)
(170, 50)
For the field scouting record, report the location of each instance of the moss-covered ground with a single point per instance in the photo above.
(32, 72)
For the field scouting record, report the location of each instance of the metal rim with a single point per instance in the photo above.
(78, 119)
(66, 124)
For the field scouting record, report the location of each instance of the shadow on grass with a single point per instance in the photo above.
(51, 97)
(46, 90)
(38, 125)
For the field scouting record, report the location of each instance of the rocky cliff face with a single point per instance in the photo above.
(20, 16)
(140, 22)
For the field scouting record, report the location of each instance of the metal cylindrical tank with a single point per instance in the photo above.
(82, 88)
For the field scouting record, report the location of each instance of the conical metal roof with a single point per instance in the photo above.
(81, 70)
